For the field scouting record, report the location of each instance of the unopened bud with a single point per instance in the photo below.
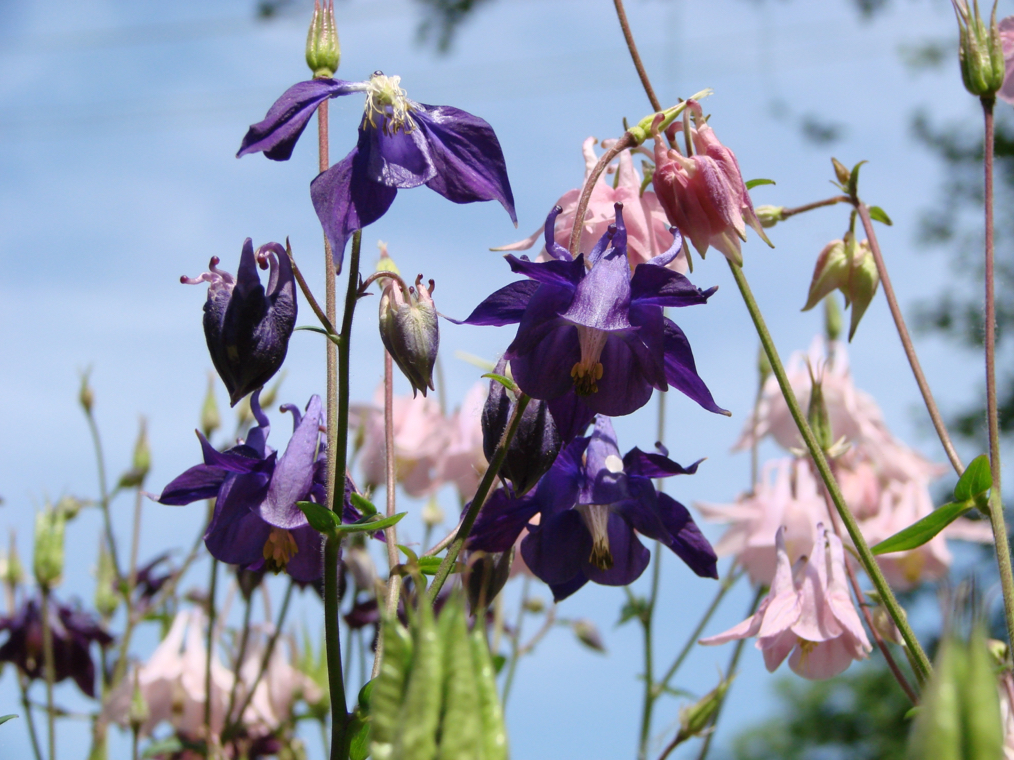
(863, 281)
(841, 172)
(998, 652)
(323, 52)
(48, 556)
(249, 581)
(769, 216)
(832, 319)
(138, 714)
(14, 572)
(487, 576)
(69, 507)
(816, 414)
(535, 605)
(107, 596)
(831, 271)
(211, 420)
(86, 396)
(588, 634)
(134, 477)
(409, 330)
(695, 718)
(980, 50)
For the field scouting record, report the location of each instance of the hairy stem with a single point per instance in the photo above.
(646, 619)
(621, 14)
(788, 212)
(212, 583)
(865, 555)
(589, 184)
(29, 718)
(996, 514)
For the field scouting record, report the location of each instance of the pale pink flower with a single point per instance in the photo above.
(786, 496)
(279, 687)
(704, 195)
(462, 461)
(648, 232)
(808, 616)
(1006, 27)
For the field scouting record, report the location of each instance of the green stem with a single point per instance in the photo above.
(103, 491)
(479, 499)
(996, 514)
(649, 672)
(621, 15)
(240, 654)
(332, 546)
(515, 643)
(29, 718)
(212, 612)
(865, 555)
(50, 671)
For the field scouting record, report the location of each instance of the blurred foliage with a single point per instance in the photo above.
(860, 715)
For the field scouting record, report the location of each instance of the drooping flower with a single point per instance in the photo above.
(246, 327)
(596, 330)
(589, 504)
(704, 194)
(402, 144)
(807, 613)
(73, 631)
(409, 331)
(256, 521)
(648, 232)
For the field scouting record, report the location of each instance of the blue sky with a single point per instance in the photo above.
(118, 126)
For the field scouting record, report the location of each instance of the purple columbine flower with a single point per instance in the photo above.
(587, 326)
(248, 328)
(402, 144)
(590, 503)
(73, 629)
(256, 522)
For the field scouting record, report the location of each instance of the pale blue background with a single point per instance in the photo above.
(118, 126)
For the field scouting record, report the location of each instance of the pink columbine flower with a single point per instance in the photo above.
(1006, 27)
(808, 616)
(648, 232)
(704, 194)
(462, 461)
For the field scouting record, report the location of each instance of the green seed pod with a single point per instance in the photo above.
(461, 737)
(420, 712)
(983, 725)
(389, 689)
(494, 732)
(48, 559)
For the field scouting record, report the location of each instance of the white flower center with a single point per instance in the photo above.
(596, 519)
(384, 97)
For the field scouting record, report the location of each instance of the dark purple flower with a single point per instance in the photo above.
(402, 144)
(590, 503)
(248, 328)
(256, 521)
(73, 629)
(588, 327)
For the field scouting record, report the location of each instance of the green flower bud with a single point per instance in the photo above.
(134, 477)
(831, 270)
(86, 396)
(323, 51)
(980, 51)
(48, 559)
(432, 515)
(863, 280)
(588, 634)
(817, 415)
(832, 319)
(138, 714)
(769, 216)
(69, 506)
(14, 572)
(409, 330)
(535, 605)
(841, 172)
(107, 597)
(695, 718)
(211, 420)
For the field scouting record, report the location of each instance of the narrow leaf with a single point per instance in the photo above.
(321, 519)
(5, 718)
(412, 556)
(878, 214)
(358, 733)
(505, 381)
(363, 504)
(922, 531)
(854, 179)
(429, 565)
(369, 525)
(336, 339)
(974, 480)
(751, 184)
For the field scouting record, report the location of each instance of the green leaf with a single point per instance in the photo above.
(879, 215)
(976, 479)
(168, 746)
(854, 179)
(5, 718)
(336, 339)
(321, 519)
(358, 733)
(750, 185)
(498, 662)
(412, 556)
(505, 381)
(364, 696)
(922, 531)
(363, 504)
(429, 565)
(369, 524)
(635, 608)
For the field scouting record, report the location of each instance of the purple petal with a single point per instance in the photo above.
(307, 564)
(544, 371)
(602, 297)
(553, 248)
(681, 371)
(558, 490)
(555, 549)
(236, 534)
(542, 317)
(397, 158)
(666, 258)
(564, 273)
(648, 343)
(663, 287)
(562, 590)
(293, 475)
(501, 521)
(346, 200)
(571, 415)
(637, 462)
(506, 306)
(467, 156)
(622, 389)
(199, 482)
(687, 540)
(277, 134)
(630, 557)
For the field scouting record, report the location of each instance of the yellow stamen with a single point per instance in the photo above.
(279, 549)
(384, 97)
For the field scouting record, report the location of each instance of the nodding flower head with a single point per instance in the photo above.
(246, 326)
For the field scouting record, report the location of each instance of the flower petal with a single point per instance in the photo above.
(630, 557)
(556, 549)
(506, 306)
(681, 371)
(293, 474)
(501, 521)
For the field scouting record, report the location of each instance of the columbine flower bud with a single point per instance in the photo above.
(588, 634)
(769, 216)
(246, 327)
(14, 572)
(409, 330)
(432, 515)
(211, 420)
(980, 50)
(86, 396)
(107, 598)
(817, 415)
(486, 578)
(841, 171)
(141, 463)
(695, 718)
(831, 270)
(323, 52)
(847, 266)
(48, 559)
(69, 507)
(535, 444)
(139, 712)
(535, 605)
(862, 284)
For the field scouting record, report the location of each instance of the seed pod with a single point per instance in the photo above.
(389, 689)
(419, 717)
(461, 737)
(494, 732)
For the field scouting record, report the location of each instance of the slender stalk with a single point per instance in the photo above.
(996, 514)
(733, 663)
(50, 671)
(325, 322)
(29, 718)
(906, 341)
(135, 543)
(212, 583)
(103, 490)
(515, 643)
(789, 212)
(730, 580)
(865, 556)
(479, 499)
(240, 654)
(649, 673)
(546, 627)
(390, 534)
(621, 14)
(266, 658)
(135, 751)
(589, 184)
